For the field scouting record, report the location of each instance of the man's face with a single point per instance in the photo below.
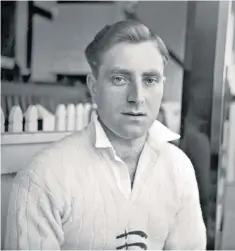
(129, 88)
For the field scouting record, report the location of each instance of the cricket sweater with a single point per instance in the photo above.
(77, 194)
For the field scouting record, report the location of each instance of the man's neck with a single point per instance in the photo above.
(125, 148)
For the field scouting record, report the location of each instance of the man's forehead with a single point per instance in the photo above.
(141, 57)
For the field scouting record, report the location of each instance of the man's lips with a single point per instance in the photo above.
(135, 114)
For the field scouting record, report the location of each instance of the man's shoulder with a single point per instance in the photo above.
(179, 169)
(171, 150)
(58, 155)
(175, 152)
(178, 161)
(53, 167)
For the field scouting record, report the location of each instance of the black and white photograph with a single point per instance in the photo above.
(117, 125)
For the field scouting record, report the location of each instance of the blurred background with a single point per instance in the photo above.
(43, 62)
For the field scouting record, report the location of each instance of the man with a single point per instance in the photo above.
(118, 184)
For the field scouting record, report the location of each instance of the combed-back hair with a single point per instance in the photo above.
(130, 31)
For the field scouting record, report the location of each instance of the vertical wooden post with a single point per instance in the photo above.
(60, 118)
(87, 114)
(15, 120)
(79, 117)
(31, 119)
(70, 121)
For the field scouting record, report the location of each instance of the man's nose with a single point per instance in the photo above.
(136, 93)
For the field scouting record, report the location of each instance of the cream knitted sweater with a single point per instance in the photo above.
(76, 195)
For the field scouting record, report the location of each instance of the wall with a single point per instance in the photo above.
(59, 44)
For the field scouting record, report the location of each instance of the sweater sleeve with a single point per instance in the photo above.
(188, 231)
(34, 220)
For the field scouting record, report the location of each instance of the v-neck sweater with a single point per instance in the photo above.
(77, 194)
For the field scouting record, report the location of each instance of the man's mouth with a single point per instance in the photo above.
(134, 114)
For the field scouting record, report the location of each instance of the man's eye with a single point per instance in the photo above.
(118, 80)
(152, 81)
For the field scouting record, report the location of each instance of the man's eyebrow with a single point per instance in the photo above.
(120, 70)
(152, 73)
(128, 72)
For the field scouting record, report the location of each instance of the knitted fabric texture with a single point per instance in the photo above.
(76, 194)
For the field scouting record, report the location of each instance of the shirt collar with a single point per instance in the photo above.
(158, 133)
(101, 139)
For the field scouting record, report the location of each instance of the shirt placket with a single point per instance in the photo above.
(120, 172)
(122, 175)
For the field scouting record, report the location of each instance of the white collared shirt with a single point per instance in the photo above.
(157, 134)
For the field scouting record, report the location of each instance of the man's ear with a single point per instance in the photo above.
(164, 80)
(91, 84)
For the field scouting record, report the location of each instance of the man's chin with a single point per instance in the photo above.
(133, 133)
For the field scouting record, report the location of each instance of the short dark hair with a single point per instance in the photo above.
(131, 31)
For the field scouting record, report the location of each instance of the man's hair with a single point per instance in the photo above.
(130, 31)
